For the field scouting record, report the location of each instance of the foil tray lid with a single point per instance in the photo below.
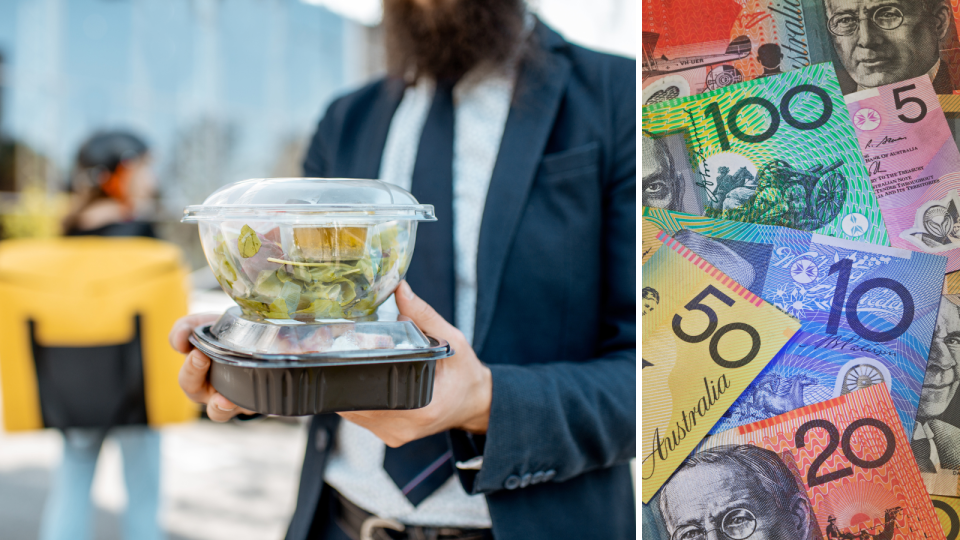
(380, 332)
(236, 337)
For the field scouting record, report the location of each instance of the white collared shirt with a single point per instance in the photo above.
(481, 104)
(923, 431)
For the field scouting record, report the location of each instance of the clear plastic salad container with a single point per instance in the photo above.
(309, 249)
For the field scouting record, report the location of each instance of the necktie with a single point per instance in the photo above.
(921, 451)
(420, 467)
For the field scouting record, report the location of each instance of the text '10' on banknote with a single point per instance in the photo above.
(774, 151)
(706, 338)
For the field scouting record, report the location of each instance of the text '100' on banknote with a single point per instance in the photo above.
(867, 312)
(839, 469)
(775, 151)
(705, 338)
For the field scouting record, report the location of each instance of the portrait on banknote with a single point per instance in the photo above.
(651, 298)
(936, 437)
(880, 42)
(667, 177)
(743, 491)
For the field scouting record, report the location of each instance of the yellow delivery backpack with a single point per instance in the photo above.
(83, 332)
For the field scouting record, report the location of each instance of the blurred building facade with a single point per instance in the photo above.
(223, 90)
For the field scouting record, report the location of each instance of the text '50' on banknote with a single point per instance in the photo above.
(837, 469)
(705, 338)
(777, 151)
(914, 165)
(867, 312)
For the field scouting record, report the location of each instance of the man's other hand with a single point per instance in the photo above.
(462, 386)
(193, 374)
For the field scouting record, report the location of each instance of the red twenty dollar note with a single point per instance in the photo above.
(840, 469)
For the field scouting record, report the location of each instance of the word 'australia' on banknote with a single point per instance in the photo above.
(775, 151)
(705, 338)
(866, 312)
(876, 43)
(936, 436)
(832, 470)
(691, 46)
(948, 510)
(914, 165)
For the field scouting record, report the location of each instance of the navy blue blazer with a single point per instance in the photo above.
(556, 300)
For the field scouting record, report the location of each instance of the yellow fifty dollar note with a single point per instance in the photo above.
(948, 510)
(705, 338)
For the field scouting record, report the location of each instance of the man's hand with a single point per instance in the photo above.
(193, 374)
(462, 387)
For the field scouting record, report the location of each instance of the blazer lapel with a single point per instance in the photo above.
(369, 152)
(539, 91)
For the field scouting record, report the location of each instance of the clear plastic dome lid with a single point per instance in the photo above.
(309, 200)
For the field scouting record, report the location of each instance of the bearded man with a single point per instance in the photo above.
(526, 146)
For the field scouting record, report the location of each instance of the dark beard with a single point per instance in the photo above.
(452, 37)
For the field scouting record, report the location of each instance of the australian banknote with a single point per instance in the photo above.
(867, 312)
(690, 47)
(778, 151)
(914, 165)
(948, 510)
(839, 469)
(936, 436)
(705, 338)
(874, 43)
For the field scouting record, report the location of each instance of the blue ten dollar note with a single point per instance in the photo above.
(867, 312)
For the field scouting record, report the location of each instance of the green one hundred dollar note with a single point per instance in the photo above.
(775, 151)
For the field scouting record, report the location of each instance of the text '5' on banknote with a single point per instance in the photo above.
(705, 338)
(840, 469)
(936, 435)
(690, 46)
(776, 151)
(877, 43)
(914, 165)
(867, 312)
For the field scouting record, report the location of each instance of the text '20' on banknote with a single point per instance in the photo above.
(867, 312)
(706, 337)
(777, 151)
(836, 469)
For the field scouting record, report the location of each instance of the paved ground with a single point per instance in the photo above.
(220, 481)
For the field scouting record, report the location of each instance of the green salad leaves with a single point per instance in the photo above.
(269, 282)
(248, 242)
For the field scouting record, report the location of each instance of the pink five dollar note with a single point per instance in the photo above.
(837, 469)
(914, 165)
